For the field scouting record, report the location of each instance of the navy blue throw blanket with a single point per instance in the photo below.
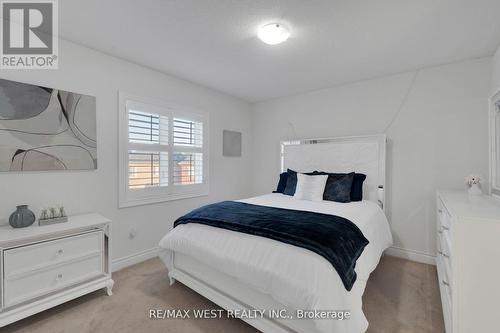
(335, 238)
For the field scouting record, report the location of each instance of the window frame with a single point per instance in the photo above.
(135, 197)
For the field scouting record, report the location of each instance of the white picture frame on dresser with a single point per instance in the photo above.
(468, 261)
(44, 266)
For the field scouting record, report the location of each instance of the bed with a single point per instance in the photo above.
(239, 271)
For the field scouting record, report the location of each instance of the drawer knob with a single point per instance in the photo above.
(59, 277)
(445, 255)
(445, 227)
(445, 283)
(60, 251)
(440, 210)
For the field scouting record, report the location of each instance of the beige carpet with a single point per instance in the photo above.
(401, 296)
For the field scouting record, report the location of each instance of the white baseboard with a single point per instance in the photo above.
(133, 259)
(412, 255)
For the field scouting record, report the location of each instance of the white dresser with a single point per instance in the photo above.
(468, 261)
(43, 266)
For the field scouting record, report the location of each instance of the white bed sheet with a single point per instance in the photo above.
(293, 276)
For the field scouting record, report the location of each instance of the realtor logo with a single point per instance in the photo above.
(29, 34)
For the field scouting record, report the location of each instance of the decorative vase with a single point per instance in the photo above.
(475, 190)
(22, 217)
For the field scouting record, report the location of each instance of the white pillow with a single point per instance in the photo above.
(310, 187)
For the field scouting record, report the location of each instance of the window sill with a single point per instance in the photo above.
(153, 200)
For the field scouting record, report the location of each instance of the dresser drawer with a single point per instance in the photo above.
(23, 259)
(24, 287)
(445, 254)
(447, 306)
(439, 241)
(446, 293)
(443, 216)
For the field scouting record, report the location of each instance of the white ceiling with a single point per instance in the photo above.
(213, 42)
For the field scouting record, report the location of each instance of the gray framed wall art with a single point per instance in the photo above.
(231, 143)
(46, 129)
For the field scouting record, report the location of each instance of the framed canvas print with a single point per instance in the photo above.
(46, 129)
(231, 143)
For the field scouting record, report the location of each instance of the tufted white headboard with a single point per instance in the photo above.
(362, 154)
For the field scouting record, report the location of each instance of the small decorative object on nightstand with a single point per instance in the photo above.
(22, 217)
(474, 184)
(52, 215)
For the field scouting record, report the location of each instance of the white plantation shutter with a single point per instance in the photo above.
(188, 168)
(163, 152)
(147, 128)
(188, 152)
(147, 169)
(188, 133)
(148, 149)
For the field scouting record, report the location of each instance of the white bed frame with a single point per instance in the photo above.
(363, 154)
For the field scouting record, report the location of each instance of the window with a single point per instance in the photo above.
(163, 151)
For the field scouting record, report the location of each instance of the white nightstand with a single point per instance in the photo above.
(44, 266)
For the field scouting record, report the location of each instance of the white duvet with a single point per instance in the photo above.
(293, 276)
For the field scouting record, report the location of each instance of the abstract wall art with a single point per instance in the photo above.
(231, 143)
(46, 129)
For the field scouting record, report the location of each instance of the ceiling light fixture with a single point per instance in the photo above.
(273, 33)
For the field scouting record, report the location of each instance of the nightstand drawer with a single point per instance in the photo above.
(24, 287)
(32, 257)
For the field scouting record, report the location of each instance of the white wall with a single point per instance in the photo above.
(495, 77)
(90, 72)
(439, 136)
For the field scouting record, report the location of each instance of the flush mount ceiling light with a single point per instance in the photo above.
(273, 33)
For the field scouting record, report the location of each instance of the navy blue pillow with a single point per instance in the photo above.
(282, 183)
(357, 184)
(357, 187)
(291, 182)
(338, 187)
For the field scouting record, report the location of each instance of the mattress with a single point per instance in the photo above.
(293, 276)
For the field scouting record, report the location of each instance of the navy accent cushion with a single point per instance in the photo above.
(338, 187)
(357, 184)
(335, 238)
(357, 187)
(282, 183)
(291, 182)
